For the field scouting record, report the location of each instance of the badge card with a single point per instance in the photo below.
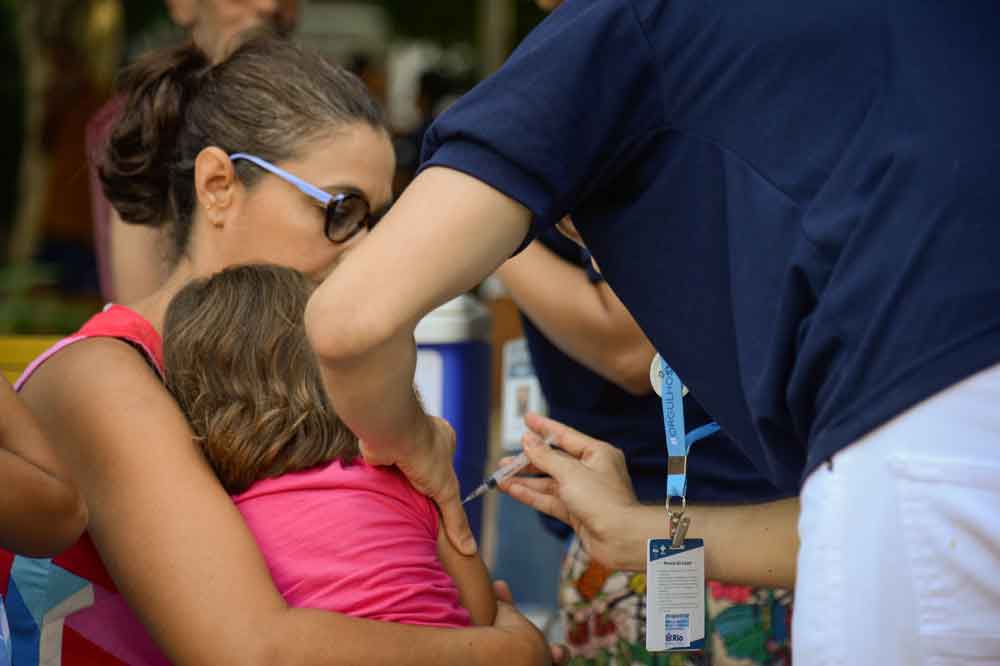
(675, 596)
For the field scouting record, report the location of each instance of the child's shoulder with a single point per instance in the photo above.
(388, 477)
(365, 480)
(356, 474)
(389, 480)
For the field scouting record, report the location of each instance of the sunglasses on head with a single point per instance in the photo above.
(346, 213)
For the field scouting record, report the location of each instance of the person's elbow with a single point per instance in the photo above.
(58, 519)
(338, 336)
(321, 334)
(629, 369)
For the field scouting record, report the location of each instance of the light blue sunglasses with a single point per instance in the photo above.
(346, 213)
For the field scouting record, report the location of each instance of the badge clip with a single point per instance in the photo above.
(678, 524)
(680, 530)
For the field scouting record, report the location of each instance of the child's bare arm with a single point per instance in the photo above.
(475, 590)
(41, 512)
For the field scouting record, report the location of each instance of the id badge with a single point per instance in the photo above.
(675, 596)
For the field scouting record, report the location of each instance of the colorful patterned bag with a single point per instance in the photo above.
(604, 614)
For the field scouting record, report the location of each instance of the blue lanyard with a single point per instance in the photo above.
(679, 442)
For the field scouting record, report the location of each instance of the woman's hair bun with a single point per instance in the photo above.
(141, 153)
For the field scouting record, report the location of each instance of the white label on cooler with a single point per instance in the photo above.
(521, 392)
(429, 379)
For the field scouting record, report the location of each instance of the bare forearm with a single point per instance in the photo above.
(558, 297)
(312, 637)
(755, 544)
(40, 514)
(303, 631)
(381, 406)
(21, 434)
(41, 511)
(475, 589)
(585, 320)
(752, 544)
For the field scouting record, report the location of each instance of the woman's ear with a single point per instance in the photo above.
(215, 184)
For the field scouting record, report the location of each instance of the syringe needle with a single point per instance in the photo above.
(519, 462)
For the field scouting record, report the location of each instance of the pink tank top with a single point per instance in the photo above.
(355, 539)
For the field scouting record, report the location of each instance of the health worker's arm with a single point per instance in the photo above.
(585, 320)
(446, 233)
(588, 488)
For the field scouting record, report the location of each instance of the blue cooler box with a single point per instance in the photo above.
(453, 378)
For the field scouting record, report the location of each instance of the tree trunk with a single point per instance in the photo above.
(37, 22)
(497, 19)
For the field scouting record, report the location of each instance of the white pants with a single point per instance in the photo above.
(899, 561)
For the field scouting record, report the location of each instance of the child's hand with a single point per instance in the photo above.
(522, 631)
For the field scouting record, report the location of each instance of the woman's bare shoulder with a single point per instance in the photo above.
(94, 379)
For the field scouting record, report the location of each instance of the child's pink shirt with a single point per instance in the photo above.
(355, 539)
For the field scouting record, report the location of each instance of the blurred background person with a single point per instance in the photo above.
(132, 258)
(436, 88)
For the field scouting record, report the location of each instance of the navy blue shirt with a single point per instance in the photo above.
(717, 470)
(796, 201)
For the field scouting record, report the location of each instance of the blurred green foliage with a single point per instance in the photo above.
(28, 305)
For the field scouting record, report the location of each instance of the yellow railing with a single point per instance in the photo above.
(17, 351)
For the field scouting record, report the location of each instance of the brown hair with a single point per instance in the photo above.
(237, 360)
(269, 97)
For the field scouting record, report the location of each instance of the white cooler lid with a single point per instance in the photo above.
(462, 319)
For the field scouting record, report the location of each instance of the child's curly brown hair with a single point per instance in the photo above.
(239, 364)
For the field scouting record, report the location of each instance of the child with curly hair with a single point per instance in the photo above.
(337, 533)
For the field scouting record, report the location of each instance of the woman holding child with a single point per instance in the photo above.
(168, 570)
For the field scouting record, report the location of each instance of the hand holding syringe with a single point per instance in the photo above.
(519, 462)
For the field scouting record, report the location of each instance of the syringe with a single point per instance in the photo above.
(519, 462)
